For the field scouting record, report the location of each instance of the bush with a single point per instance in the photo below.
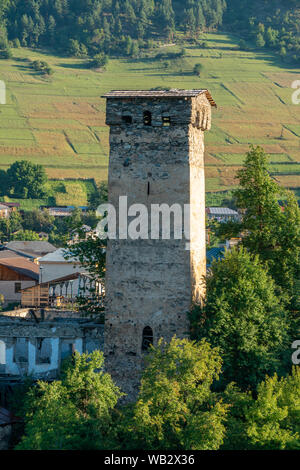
(6, 54)
(16, 43)
(42, 66)
(198, 69)
(99, 60)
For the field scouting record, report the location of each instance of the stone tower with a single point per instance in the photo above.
(156, 157)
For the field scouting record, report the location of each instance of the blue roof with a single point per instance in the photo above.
(214, 253)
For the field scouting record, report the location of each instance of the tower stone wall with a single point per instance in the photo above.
(156, 157)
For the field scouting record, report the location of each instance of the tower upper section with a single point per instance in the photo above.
(159, 108)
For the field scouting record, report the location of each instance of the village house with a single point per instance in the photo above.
(82, 234)
(33, 250)
(4, 211)
(63, 292)
(55, 265)
(6, 208)
(63, 211)
(222, 214)
(16, 273)
(34, 342)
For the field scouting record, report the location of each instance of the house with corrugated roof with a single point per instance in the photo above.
(222, 214)
(34, 250)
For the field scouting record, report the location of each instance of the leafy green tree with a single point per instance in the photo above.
(9, 226)
(99, 196)
(243, 45)
(5, 54)
(99, 60)
(38, 221)
(74, 48)
(26, 235)
(3, 183)
(176, 408)
(15, 221)
(198, 69)
(268, 231)
(73, 413)
(239, 403)
(244, 318)
(273, 420)
(260, 42)
(134, 52)
(92, 255)
(25, 179)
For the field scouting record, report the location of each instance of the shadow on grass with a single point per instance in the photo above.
(78, 66)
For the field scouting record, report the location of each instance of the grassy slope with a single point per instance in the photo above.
(60, 122)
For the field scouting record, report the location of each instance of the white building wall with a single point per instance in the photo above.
(11, 367)
(51, 271)
(35, 368)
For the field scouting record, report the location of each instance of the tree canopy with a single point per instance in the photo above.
(26, 180)
(73, 412)
(244, 318)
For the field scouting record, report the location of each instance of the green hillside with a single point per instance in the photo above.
(59, 121)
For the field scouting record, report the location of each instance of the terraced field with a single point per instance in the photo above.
(59, 122)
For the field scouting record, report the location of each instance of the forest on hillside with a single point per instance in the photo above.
(85, 28)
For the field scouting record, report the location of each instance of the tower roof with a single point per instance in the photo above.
(172, 93)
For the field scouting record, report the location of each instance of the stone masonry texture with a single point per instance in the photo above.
(152, 283)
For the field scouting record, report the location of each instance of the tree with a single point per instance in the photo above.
(260, 42)
(38, 220)
(5, 54)
(243, 45)
(74, 48)
(26, 235)
(176, 408)
(244, 318)
(198, 69)
(273, 419)
(92, 255)
(134, 52)
(268, 230)
(10, 225)
(3, 183)
(73, 413)
(99, 60)
(99, 196)
(25, 179)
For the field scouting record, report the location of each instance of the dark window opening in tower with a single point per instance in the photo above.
(166, 120)
(147, 338)
(147, 118)
(127, 119)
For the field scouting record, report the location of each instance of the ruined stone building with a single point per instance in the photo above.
(35, 342)
(156, 157)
